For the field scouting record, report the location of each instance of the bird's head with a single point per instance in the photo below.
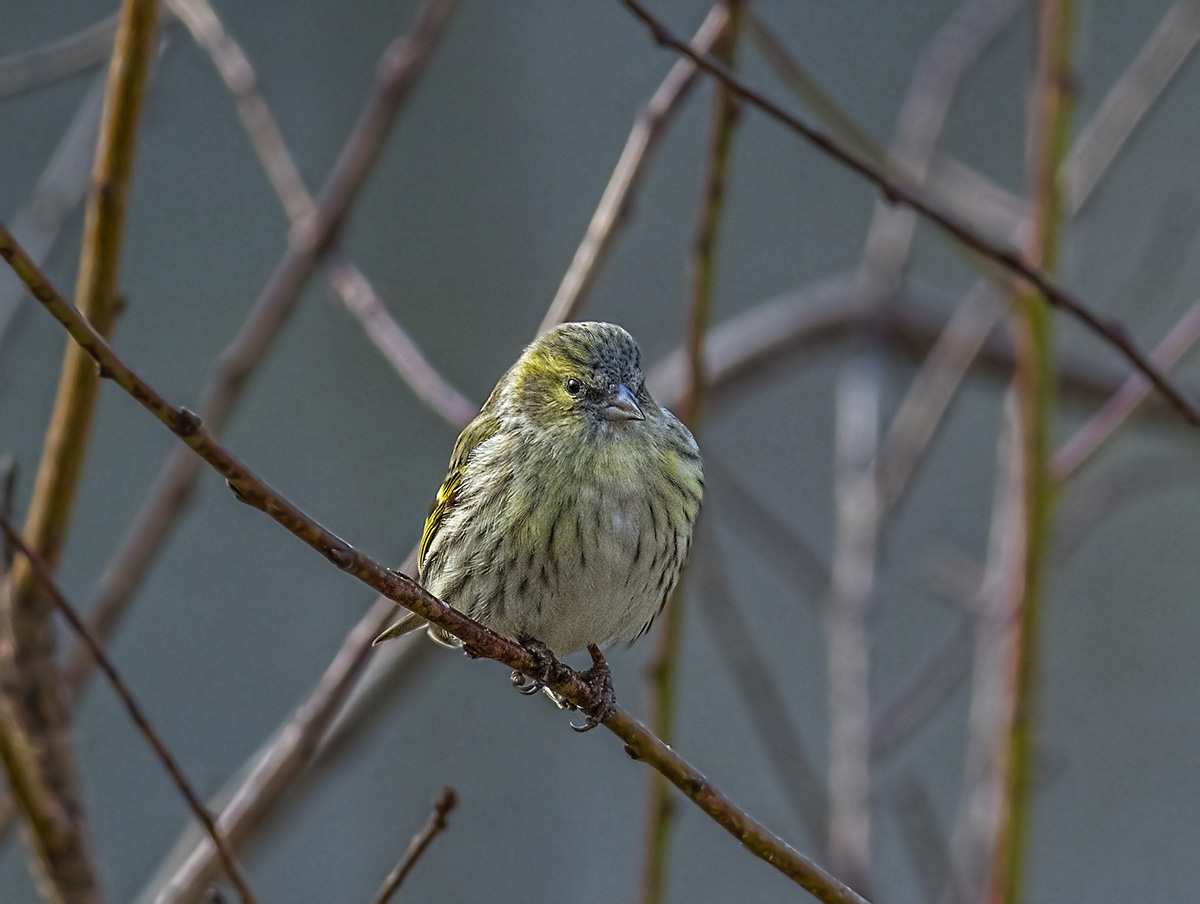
(584, 377)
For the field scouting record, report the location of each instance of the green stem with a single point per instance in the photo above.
(1035, 384)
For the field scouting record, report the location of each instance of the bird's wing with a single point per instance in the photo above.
(483, 428)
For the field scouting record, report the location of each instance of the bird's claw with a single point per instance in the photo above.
(531, 684)
(599, 682)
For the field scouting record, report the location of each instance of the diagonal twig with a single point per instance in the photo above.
(1009, 259)
(44, 577)
(433, 827)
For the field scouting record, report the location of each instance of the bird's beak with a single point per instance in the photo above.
(622, 406)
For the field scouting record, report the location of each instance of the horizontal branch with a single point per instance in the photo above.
(1111, 332)
(478, 641)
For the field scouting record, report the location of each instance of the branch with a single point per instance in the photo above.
(613, 210)
(1009, 259)
(44, 577)
(35, 744)
(436, 824)
(398, 70)
(477, 640)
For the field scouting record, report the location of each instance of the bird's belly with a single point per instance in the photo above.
(601, 584)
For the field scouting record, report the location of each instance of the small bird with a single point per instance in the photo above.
(568, 508)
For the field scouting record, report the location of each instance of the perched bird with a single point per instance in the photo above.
(569, 504)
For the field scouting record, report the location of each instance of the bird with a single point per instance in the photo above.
(570, 501)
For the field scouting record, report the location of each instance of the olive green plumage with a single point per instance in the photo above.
(569, 504)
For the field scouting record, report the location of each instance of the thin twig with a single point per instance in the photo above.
(348, 281)
(44, 577)
(613, 210)
(478, 640)
(57, 60)
(398, 71)
(35, 743)
(436, 824)
(661, 669)
(1112, 333)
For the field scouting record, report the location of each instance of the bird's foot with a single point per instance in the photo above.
(531, 684)
(599, 682)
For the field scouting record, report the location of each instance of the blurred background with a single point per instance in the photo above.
(465, 228)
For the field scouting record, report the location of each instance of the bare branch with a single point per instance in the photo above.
(477, 640)
(1009, 259)
(44, 577)
(436, 824)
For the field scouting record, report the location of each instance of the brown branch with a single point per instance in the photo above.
(44, 577)
(477, 640)
(347, 280)
(33, 718)
(398, 70)
(613, 210)
(1009, 259)
(436, 824)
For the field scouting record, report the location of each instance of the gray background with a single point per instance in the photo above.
(466, 227)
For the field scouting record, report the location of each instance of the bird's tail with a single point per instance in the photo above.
(404, 623)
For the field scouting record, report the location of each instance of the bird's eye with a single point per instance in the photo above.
(612, 388)
(573, 386)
